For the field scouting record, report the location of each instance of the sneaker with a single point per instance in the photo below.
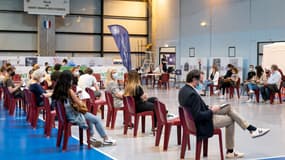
(234, 155)
(259, 132)
(93, 139)
(251, 92)
(221, 97)
(95, 143)
(109, 141)
(217, 92)
(249, 100)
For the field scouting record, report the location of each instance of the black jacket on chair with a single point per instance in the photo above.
(195, 105)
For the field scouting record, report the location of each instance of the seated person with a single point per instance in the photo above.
(36, 88)
(15, 90)
(272, 85)
(87, 80)
(55, 74)
(113, 87)
(207, 118)
(254, 81)
(200, 86)
(213, 79)
(226, 80)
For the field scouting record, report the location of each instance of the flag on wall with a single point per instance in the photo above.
(47, 24)
(121, 37)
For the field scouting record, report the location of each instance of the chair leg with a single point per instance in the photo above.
(66, 135)
(166, 136)
(102, 111)
(143, 124)
(113, 119)
(179, 134)
(221, 146)
(205, 147)
(198, 149)
(109, 117)
(80, 136)
(158, 135)
(127, 120)
(136, 125)
(280, 97)
(59, 135)
(88, 138)
(183, 145)
(238, 92)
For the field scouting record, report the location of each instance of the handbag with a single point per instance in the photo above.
(82, 109)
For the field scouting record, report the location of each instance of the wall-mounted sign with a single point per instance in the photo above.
(47, 7)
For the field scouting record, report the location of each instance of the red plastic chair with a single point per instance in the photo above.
(129, 103)
(93, 103)
(189, 127)
(28, 105)
(35, 110)
(50, 118)
(125, 79)
(216, 86)
(10, 101)
(65, 127)
(161, 114)
(17, 78)
(164, 80)
(98, 78)
(112, 111)
(272, 95)
(232, 89)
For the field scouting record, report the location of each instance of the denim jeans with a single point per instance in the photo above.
(92, 119)
(252, 86)
(206, 84)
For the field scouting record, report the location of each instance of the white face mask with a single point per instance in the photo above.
(115, 75)
(76, 73)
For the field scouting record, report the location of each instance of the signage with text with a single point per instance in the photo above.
(47, 7)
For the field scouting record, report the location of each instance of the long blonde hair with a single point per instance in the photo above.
(132, 84)
(109, 77)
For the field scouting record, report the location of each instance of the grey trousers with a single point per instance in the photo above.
(227, 117)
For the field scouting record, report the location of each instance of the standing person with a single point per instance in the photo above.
(164, 63)
(209, 117)
(87, 80)
(134, 88)
(64, 93)
(113, 87)
(272, 84)
(213, 78)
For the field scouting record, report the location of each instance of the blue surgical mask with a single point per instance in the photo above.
(115, 75)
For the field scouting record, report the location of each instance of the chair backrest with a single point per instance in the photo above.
(16, 78)
(109, 100)
(125, 76)
(97, 76)
(160, 112)
(91, 94)
(60, 111)
(73, 87)
(238, 82)
(187, 120)
(129, 103)
(165, 77)
(44, 84)
(27, 95)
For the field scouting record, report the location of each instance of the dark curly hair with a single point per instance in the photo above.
(62, 86)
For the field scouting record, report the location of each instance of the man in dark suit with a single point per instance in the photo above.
(209, 117)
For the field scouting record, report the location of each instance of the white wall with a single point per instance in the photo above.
(239, 23)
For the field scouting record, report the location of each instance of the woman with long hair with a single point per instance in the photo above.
(64, 93)
(213, 78)
(134, 88)
(256, 80)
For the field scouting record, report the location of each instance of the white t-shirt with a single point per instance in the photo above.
(86, 81)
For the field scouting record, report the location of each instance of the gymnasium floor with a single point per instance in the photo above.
(18, 137)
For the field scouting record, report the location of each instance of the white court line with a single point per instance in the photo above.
(270, 157)
(77, 138)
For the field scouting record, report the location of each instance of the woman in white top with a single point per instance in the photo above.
(213, 78)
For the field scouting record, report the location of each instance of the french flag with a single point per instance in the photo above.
(47, 24)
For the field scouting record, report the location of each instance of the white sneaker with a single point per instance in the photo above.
(234, 155)
(109, 141)
(259, 132)
(216, 92)
(251, 92)
(249, 100)
(221, 96)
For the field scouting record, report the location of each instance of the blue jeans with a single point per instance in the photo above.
(92, 119)
(252, 86)
(206, 84)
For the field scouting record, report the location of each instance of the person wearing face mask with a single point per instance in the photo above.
(207, 118)
(75, 75)
(37, 89)
(15, 90)
(113, 87)
(48, 71)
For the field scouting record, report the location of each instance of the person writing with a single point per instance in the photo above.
(209, 117)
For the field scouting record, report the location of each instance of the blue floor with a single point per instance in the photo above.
(19, 141)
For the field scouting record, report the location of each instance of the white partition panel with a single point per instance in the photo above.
(18, 21)
(18, 41)
(133, 26)
(77, 42)
(78, 24)
(125, 8)
(11, 4)
(135, 43)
